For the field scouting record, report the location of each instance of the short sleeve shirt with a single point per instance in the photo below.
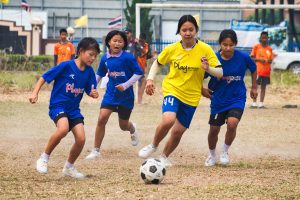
(184, 81)
(259, 51)
(64, 51)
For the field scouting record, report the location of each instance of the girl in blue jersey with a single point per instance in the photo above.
(123, 71)
(228, 94)
(71, 79)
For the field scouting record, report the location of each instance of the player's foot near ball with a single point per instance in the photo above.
(147, 151)
(166, 161)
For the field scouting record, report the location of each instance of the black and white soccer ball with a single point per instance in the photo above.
(152, 171)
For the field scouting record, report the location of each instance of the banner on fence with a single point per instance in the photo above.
(248, 33)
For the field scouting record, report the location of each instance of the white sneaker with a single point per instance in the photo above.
(134, 136)
(147, 151)
(254, 105)
(166, 161)
(93, 155)
(42, 166)
(224, 158)
(210, 161)
(72, 172)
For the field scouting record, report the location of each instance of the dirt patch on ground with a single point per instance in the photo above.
(265, 156)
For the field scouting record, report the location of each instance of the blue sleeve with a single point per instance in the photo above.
(250, 63)
(52, 73)
(102, 70)
(134, 66)
(92, 81)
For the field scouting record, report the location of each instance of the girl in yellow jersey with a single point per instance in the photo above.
(189, 60)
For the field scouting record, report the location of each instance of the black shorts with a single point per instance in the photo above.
(220, 118)
(72, 122)
(123, 113)
(263, 80)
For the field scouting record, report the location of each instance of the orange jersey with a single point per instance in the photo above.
(142, 60)
(63, 51)
(261, 52)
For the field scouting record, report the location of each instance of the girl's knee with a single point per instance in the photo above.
(167, 124)
(124, 127)
(62, 132)
(80, 140)
(102, 122)
(232, 126)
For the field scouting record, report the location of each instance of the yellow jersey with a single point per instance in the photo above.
(184, 81)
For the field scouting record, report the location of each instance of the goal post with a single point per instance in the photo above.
(199, 6)
(139, 6)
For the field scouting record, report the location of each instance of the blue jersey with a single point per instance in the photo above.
(119, 69)
(230, 91)
(69, 85)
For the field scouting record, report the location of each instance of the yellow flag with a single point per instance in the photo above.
(5, 1)
(81, 21)
(197, 18)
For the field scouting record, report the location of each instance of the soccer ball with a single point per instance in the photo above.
(152, 171)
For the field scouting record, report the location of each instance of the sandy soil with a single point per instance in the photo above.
(265, 157)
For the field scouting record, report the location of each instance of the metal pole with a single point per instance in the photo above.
(137, 20)
(54, 25)
(2, 10)
(122, 8)
(82, 4)
(138, 6)
(217, 6)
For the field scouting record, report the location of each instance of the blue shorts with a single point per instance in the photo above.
(184, 112)
(55, 112)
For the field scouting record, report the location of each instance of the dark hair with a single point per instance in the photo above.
(88, 43)
(228, 33)
(143, 36)
(187, 18)
(63, 30)
(111, 34)
(128, 30)
(264, 33)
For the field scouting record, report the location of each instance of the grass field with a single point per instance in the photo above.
(265, 157)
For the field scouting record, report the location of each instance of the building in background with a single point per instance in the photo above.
(57, 14)
(62, 14)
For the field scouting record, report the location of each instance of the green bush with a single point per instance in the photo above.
(17, 62)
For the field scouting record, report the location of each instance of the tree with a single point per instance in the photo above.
(281, 11)
(146, 19)
(272, 13)
(293, 31)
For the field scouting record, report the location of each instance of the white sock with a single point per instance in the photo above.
(212, 152)
(45, 156)
(96, 149)
(164, 156)
(68, 165)
(260, 104)
(254, 104)
(225, 147)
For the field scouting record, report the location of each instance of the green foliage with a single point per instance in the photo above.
(285, 78)
(146, 19)
(17, 62)
(17, 80)
(268, 17)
